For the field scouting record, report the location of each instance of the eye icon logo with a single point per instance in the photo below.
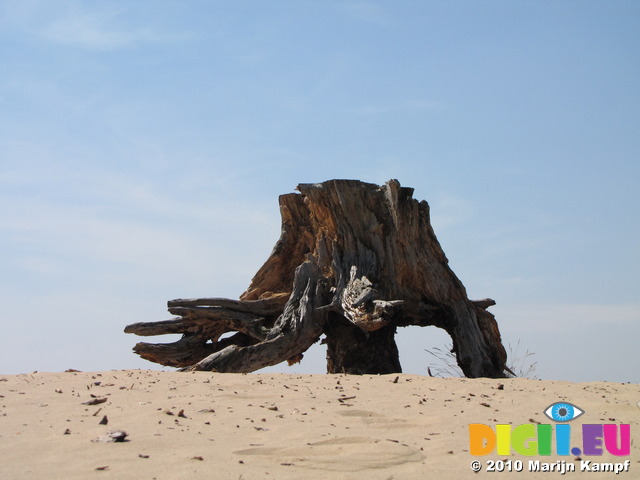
(563, 412)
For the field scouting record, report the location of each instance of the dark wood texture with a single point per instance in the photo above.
(354, 261)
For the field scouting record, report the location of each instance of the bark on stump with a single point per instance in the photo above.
(354, 261)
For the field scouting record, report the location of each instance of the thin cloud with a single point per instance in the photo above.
(89, 26)
(94, 31)
(129, 229)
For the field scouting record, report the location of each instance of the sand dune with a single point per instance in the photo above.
(228, 426)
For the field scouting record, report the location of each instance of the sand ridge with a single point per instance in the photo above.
(256, 426)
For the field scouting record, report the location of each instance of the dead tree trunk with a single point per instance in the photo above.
(354, 261)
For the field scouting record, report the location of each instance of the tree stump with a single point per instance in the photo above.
(354, 262)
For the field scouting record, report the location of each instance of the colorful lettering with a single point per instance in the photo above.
(592, 439)
(529, 439)
(611, 442)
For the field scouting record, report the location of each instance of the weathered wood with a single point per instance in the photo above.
(299, 327)
(356, 351)
(186, 351)
(354, 261)
(252, 325)
(150, 329)
(268, 306)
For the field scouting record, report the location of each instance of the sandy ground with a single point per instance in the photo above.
(226, 426)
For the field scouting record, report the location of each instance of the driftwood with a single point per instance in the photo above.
(354, 262)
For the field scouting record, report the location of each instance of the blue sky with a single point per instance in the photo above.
(143, 145)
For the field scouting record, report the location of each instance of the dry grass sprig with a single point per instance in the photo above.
(521, 364)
